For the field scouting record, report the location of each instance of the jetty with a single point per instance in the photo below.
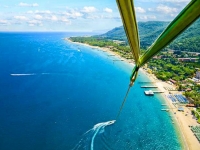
(164, 104)
(145, 82)
(151, 93)
(149, 86)
(158, 91)
(164, 109)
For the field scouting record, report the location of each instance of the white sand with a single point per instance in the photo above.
(182, 120)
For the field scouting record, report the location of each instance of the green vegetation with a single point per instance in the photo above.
(122, 50)
(165, 65)
(194, 95)
(149, 31)
(197, 116)
(170, 68)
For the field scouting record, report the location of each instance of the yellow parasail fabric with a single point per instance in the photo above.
(128, 16)
(185, 18)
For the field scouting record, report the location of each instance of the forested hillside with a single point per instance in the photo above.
(149, 31)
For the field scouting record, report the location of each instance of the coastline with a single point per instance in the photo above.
(104, 49)
(180, 120)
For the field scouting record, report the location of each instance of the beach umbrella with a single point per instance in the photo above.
(184, 19)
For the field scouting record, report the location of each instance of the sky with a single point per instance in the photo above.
(79, 15)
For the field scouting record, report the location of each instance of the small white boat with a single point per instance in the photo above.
(149, 93)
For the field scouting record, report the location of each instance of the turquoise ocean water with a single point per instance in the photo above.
(54, 95)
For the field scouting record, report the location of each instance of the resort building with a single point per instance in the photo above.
(198, 75)
(172, 81)
(188, 59)
(119, 42)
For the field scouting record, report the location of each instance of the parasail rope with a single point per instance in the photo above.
(123, 102)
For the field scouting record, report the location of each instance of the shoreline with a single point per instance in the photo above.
(180, 121)
(174, 121)
(104, 49)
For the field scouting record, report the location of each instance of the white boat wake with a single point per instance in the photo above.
(23, 74)
(90, 135)
(34, 74)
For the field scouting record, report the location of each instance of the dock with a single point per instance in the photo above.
(151, 93)
(164, 104)
(145, 82)
(164, 109)
(149, 86)
(158, 91)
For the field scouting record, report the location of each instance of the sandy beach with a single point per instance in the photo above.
(181, 120)
(105, 50)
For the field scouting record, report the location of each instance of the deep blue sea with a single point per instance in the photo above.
(54, 94)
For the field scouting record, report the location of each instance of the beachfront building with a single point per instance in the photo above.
(198, 75)
(188, 59)
(119, 42)
(172, 81)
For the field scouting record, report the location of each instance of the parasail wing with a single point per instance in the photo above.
(185, 18)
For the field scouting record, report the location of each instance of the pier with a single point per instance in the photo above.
(158, 91)
(149, 86)
(164, 109)
(146, 82)
(164, 104)
(151, 93)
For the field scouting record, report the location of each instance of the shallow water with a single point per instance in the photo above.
(53, 91)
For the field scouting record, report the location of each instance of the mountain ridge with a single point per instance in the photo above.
(189, 40)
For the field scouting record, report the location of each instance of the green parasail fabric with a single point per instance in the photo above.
(127, 11)
(185, 18)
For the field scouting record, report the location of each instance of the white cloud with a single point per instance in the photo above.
(38, 17)
(171, 1)
(65, 20)
(166, 9)
(30, 12)
(28, 5)
(152, 17)
(150, 9)
(31, 24)
(108, 10)
(173, 15)
(175, 1)
(140, 10)
(93, 17)
(143, 17)
(89, 9)
(76, 14)
(21, 17)
(148, 17)
(35, 5)
(72, 14)
(54, 18)
(43, 12)
(35, 23)
(3, 22)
